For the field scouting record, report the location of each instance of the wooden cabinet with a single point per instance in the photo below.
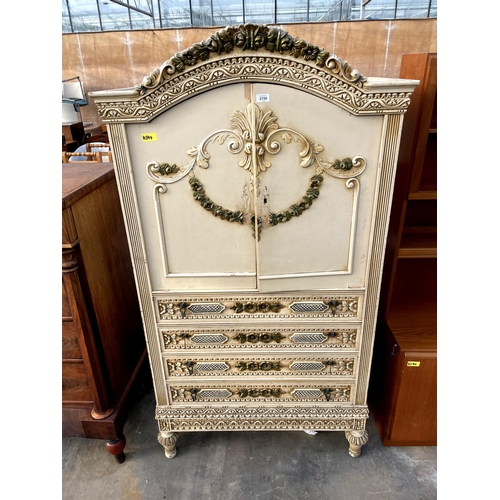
(408, 304)
(255, 171)
(406, 361)
(103, 346)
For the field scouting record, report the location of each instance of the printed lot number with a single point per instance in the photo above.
(149, 137)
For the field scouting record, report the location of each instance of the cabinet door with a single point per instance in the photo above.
(256, 187)
(187, 246)
(326, 245)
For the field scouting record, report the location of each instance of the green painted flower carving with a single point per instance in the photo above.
(166, 169)
(249, 37)
(278, 40)
(201, 197)
(345, 164)
(294, 210)
(254, 366)
(257, 307)
(254, 338)
(260, 393)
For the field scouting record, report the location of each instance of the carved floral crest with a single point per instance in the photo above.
(249, 37)
(254, 53)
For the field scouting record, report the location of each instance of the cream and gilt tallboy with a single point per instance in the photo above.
(255, 172)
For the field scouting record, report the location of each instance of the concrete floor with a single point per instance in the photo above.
(244, 465)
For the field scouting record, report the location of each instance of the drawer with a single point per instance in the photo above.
(259, 307)
(320, 336)
(299, 392)
(275, 366)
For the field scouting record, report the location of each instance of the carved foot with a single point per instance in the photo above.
(356, 440)
(168, 440)
(116, 449)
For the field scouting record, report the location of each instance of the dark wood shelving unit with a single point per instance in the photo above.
(403, 386)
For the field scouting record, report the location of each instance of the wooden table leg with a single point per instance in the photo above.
(116, 448)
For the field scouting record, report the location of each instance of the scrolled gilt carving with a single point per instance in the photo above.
(257, 130)
(255, 133)
(342, 68)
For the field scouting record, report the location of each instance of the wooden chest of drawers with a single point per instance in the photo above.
(255, 172)
(103, 345)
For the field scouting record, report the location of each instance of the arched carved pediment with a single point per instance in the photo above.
(253, 53)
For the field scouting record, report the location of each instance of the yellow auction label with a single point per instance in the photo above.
(413, 363)
(149, 137)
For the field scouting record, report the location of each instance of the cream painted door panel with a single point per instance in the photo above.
(262, 160)
(214, 254)
(326, 246)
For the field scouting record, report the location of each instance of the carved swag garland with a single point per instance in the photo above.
(255, 134)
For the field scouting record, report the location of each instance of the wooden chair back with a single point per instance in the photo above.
(101, 145)
(90, 157)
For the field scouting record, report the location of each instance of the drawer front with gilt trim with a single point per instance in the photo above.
(221, 366)
(346, 306)
(300, 392)
(318, 337)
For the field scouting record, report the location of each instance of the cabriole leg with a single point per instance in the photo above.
(168, 440)
(356, 440)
